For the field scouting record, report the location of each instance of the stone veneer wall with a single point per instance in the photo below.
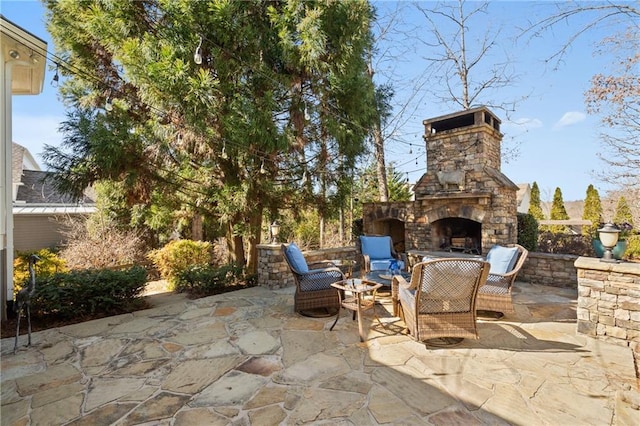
(273, 271)
(609, 301)
(556, 270)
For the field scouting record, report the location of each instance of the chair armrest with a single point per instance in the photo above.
(366, 263)
(400, 281)
(322, 265)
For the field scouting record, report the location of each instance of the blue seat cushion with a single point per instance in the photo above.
(379, 264)
(376, 247)
(296, 258)
(502, 259)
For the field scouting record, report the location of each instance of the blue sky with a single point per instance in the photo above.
(555, 139)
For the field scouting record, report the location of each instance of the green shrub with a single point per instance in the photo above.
(49, 263)
(633, 247)
(89, 292)
(206, 280)
(177, 256)
(528, 231)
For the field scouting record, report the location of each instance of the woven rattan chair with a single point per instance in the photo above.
(313, 286)
(440, 300)
(495, 295)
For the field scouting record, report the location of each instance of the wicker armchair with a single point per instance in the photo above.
(495, 295)
(440, 300)
(313, 281)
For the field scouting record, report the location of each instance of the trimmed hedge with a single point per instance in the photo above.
(92, 292)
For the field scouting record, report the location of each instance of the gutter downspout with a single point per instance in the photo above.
(6, 213)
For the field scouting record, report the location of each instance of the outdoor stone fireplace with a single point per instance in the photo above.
(463, 202)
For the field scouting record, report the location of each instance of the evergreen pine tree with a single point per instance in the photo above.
(535, 208)
(558, 212)
(623, 217)
(592, 211)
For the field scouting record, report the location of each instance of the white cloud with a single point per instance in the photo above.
(570, 118)
(521, 125)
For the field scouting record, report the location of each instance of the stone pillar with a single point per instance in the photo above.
(273, 271)
(609, 301)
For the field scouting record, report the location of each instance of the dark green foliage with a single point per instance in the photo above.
(592, 211)
(535, 206)
(89, 293)
(207, 280)
(528, 231)
(579, 245)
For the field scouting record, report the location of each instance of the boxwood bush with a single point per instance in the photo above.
(207, 280)
(89, 293)
(179, 255)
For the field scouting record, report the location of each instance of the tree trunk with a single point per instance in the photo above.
(378, 142)
(197, 227)
(255, 226)
(235, 244)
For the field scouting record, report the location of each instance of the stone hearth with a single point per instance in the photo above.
(463, 202)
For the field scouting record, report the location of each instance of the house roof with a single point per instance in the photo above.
(37, 188)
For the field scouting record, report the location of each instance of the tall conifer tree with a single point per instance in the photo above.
(623, 212)
(558, 212)
(535, 208)
(592, 211)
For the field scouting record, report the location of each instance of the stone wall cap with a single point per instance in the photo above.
(595, 263)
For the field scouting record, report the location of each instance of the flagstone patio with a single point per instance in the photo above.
(244, 358)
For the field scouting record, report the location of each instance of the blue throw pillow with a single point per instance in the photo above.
(376, 247)
(502, 259)
(296, 258)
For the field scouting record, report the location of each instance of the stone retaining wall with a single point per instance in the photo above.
(273, 271)
(556, 270)
(609, 301)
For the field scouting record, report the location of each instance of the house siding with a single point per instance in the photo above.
(35, 232)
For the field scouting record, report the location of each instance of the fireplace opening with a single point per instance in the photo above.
(457, 234)
(395, 229)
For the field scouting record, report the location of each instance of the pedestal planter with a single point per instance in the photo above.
(618, 250)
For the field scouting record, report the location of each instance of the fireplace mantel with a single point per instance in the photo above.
(455, 195)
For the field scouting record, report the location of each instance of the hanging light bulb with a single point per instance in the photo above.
(108, 106)
(262, 169)
(306, 114)
(223, 154)
(56, 78)
(197, 56)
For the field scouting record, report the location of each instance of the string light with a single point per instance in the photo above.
(56, 77)
(197, 56)
(306, 114)
(223, 154)
(108, 106)
(262, 169)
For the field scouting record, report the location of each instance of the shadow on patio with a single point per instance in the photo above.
(245, 358)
